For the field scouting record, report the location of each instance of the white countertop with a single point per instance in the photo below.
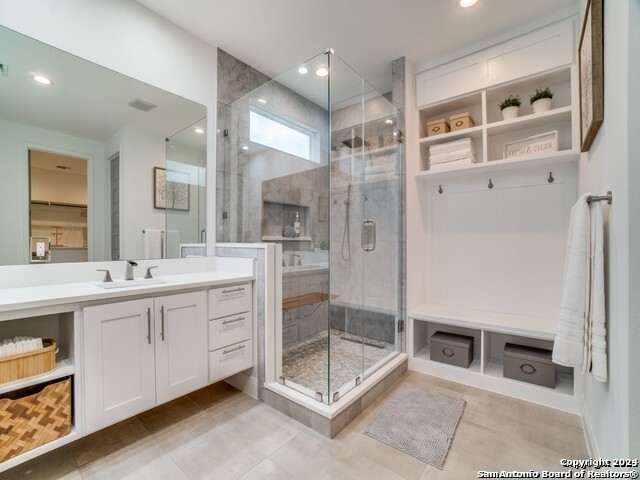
(12, 299)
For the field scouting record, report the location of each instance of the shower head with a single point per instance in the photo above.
(355, 142)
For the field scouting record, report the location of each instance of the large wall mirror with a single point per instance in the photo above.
(94, 165)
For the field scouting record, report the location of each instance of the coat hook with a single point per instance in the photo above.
(490, 184)
(550, 179)
(440, 189)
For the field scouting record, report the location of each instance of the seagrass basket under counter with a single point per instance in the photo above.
(34, 416)
(27, 364)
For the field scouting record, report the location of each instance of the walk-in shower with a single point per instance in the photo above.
(312, 162)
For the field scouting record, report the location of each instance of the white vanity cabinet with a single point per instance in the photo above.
(230, 330)
(141, 353)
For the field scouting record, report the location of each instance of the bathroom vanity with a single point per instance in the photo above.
(130, 348)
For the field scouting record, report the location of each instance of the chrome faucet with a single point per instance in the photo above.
(129, 271)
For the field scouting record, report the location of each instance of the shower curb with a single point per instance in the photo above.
(330, 427)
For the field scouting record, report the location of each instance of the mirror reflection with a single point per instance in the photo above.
(80, 147)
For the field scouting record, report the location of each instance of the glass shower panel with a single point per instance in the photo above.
(278, 145)
(365, 225)
(185, 192)
(311, 162)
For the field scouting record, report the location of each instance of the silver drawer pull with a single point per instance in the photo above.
(528, 369)
(226, 322)
(239, 347)
(240, 289)
(448, 352)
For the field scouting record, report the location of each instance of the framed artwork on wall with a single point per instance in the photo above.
(591, 74)
(171, 193)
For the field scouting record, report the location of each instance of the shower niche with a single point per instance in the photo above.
(279, 220)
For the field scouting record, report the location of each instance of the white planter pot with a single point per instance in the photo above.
(541, 105)
(510, 112)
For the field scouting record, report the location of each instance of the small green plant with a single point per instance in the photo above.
(541, 93)
(510, 101)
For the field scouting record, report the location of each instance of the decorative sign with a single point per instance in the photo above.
(532, 146)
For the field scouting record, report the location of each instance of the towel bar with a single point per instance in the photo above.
(600, 198)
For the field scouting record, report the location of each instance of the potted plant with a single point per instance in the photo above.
(510, 107)
(541, 100)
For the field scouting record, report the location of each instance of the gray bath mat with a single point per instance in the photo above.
(418, 422)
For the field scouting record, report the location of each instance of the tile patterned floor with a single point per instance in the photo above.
(306, 362)
(220, 433)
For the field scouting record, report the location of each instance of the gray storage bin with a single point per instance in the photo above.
(529, 364)
(452, 349)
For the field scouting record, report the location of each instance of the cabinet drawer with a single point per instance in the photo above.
(227, 361)
(229, 330)
(225, 301)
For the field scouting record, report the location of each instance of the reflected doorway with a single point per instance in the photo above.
(58, 204)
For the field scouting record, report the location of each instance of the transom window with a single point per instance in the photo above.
(274, 131)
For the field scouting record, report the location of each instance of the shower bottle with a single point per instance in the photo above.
(296, 224)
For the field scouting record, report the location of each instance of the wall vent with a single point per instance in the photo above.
(142, 105)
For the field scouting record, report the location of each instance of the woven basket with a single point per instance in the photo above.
(28, 422)
(27, 364)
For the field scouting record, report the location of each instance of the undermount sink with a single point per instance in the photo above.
(138, 282)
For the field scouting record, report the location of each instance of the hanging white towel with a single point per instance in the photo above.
(580, 336)
(597, 353)
(173, 243)
(152, 243)
(568, 348)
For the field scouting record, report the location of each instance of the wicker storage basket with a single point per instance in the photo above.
(31, 421)
(28, 364)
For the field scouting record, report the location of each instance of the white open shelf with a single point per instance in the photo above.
(64, 368)
(535, 327)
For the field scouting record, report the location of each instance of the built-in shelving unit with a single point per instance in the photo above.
(491, 132)
(493, 235)
(491, 331)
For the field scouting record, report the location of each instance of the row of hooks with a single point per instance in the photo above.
(550, 179)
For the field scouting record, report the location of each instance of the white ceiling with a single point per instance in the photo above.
(276, 35)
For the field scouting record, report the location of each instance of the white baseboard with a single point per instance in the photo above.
(244, 383)
(592, 446)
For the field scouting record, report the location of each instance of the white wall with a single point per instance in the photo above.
(634, 227)
(128, 38)
(609, 408)
(16, 139)
(140, 152)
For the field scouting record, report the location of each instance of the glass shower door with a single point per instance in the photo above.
(365, 230)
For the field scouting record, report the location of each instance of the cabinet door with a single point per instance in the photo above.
(181, 344)
(119, 369)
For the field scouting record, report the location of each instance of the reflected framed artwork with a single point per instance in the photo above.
(170, 192)
(591, 74)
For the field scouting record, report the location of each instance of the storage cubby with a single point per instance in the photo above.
(422, 341)
(490, 331)
(469, 103)
(59, 327)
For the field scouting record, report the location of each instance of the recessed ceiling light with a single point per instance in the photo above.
(199, 130)
(262, 101)
(322, 72)
(41, 79)
(466, 3)
(388, 121)
(245, 148)
(303, 70)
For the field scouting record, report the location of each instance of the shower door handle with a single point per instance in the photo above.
(368, 235)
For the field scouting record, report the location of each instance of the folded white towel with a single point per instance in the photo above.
(581, 336)
(455, 163)
(450, 157)
(451, 146)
